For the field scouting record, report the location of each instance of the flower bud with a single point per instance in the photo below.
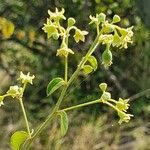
(55, 36)
(101, 17)
(103, 86)
(116, 19)
(71, 22)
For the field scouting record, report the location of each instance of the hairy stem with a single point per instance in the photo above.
(25, 117)
(81, 105)
(66, 69)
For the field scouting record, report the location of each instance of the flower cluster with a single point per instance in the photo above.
(17, 91)
(121, 106)
(111, 34)
(54, 29)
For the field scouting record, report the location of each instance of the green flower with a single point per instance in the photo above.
(108, 28)
(98, 19)
(26, 78)
(57, 15)
(15, 91)
(122, 105)
(124, 117)
(106, 38)
(63, 52)
(125, 38)
(50, 29)
(80, 35)
(94, 19)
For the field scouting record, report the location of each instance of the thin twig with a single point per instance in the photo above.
(140, 94)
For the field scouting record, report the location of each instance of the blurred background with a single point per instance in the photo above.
(91, 128)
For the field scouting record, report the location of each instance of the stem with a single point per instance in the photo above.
(97, 28)
(25, 117)
(51, 115)
(112, 106)
(81, 105)
(66, 68)
(112, 100)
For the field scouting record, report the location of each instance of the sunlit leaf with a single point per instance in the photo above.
(87, 69)
(63, 122)
(92, 60)
(17, 139)
(54, 84)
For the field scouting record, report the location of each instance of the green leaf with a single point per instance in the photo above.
(87, 69)
(63, 122)
(54, 84)
(17, 139)
(92, 60)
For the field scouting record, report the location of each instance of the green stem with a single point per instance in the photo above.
(81, 105)
(25, 117)
(51, 115)
(66, 69)
(112, 106)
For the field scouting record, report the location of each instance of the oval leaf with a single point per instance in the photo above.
(87, 69)
(54, 84)
(17, 139)
(63, 123)
(92, 60)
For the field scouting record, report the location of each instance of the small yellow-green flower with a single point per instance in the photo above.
(50, 29)
(26, 78)
(125, 38)
(15, 91)
(80, 35)
(57, 15)
(64, 51)
(122, 105)
(93, 19)
(106, 38)
(124, 117)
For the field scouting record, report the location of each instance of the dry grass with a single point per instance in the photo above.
(84, 134)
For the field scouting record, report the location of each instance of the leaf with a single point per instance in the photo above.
(17, 139)
(92, 60)
(87, 69)
(54, 84)
(63, 123)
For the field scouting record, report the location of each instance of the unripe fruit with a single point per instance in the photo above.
(107, 58)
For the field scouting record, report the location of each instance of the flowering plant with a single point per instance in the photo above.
(108, 34)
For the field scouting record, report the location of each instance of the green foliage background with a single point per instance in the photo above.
(30, 51)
